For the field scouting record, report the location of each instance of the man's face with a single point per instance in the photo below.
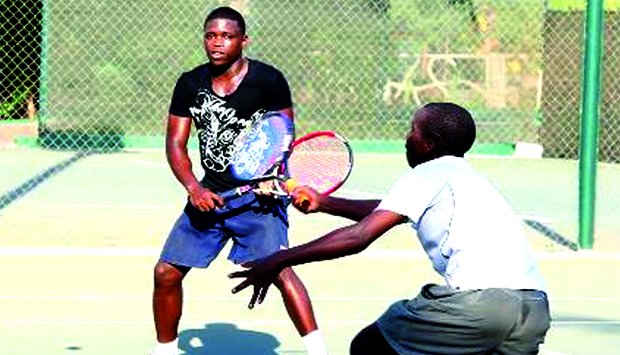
(223, 41)
(418, 148)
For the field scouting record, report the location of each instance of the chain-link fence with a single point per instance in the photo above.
(79, 74)
(20, 28)
(358, 66)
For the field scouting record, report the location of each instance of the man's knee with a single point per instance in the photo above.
(357, 346)
(287, 279)
(167, 275)
(369, 341)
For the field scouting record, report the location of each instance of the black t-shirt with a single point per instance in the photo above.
(220, 119)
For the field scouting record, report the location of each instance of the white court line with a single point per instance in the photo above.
(550, 352)
(99, 298)
(287, 322)
(169, 207)
(389, 254)
(200, 323)
(197, 322)
(100, 206)
(79, 251)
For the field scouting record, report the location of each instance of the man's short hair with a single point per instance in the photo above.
(450, 126)
(227, 13)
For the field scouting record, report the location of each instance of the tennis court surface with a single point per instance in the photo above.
(80, 233)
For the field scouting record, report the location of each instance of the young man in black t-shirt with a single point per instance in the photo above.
(221, 98)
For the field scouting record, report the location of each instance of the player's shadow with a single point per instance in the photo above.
(226, 339)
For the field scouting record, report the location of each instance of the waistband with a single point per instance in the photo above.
(234, 193)
(529, 292)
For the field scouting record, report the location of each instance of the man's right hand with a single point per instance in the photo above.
(204, 199)
(306, 199)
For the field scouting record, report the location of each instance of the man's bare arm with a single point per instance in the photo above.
(307, 200)
(177, 136)
(338, 243)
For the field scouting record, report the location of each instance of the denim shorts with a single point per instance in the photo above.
(257, 226)
(442, 320)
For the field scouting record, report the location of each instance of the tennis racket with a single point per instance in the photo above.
(261, 152)
(322, 160)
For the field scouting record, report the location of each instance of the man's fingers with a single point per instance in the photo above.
(260, 286)
(263, 294)
(258, 296)
(243, 285)
(238, 274)
(248, 264)
(219, 201)
(254, 297)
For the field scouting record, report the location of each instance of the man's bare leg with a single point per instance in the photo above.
(299, 308)
(167, 304)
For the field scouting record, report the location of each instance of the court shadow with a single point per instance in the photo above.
(226, 339)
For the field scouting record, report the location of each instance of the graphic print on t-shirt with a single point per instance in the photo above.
(218, 128)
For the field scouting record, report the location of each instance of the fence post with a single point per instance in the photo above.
(591, 89)
(44, 77)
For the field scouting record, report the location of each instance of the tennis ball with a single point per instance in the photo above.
(291, 184)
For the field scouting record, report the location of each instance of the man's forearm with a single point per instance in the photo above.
(338, 243)
(355, 210)
(181, 166)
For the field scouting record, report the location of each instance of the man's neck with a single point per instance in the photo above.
(229, 78)
(227, 70)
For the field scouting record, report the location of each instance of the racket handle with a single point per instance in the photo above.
(302, 199)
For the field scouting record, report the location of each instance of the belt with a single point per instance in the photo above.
(234, 193)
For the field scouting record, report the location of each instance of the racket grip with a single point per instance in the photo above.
(302, 199)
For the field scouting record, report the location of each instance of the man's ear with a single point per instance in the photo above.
(245, 41)
(429, 145)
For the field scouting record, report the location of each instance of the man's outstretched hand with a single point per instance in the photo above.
(260, 274)
(306, 199)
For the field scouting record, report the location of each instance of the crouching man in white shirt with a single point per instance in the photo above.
(493, 300)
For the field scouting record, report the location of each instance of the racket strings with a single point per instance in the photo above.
(262, 147)
(322, 163)
(250, 158)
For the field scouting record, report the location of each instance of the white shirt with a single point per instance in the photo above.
(467, 228)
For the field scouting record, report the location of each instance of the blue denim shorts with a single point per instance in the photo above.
(257, 226)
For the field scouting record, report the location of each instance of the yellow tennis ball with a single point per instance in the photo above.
(291, 184)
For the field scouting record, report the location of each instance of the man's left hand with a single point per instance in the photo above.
(260, 274)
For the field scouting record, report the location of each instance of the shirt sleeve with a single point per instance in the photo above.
(181, 98)
(409, 196)
(278, 92)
